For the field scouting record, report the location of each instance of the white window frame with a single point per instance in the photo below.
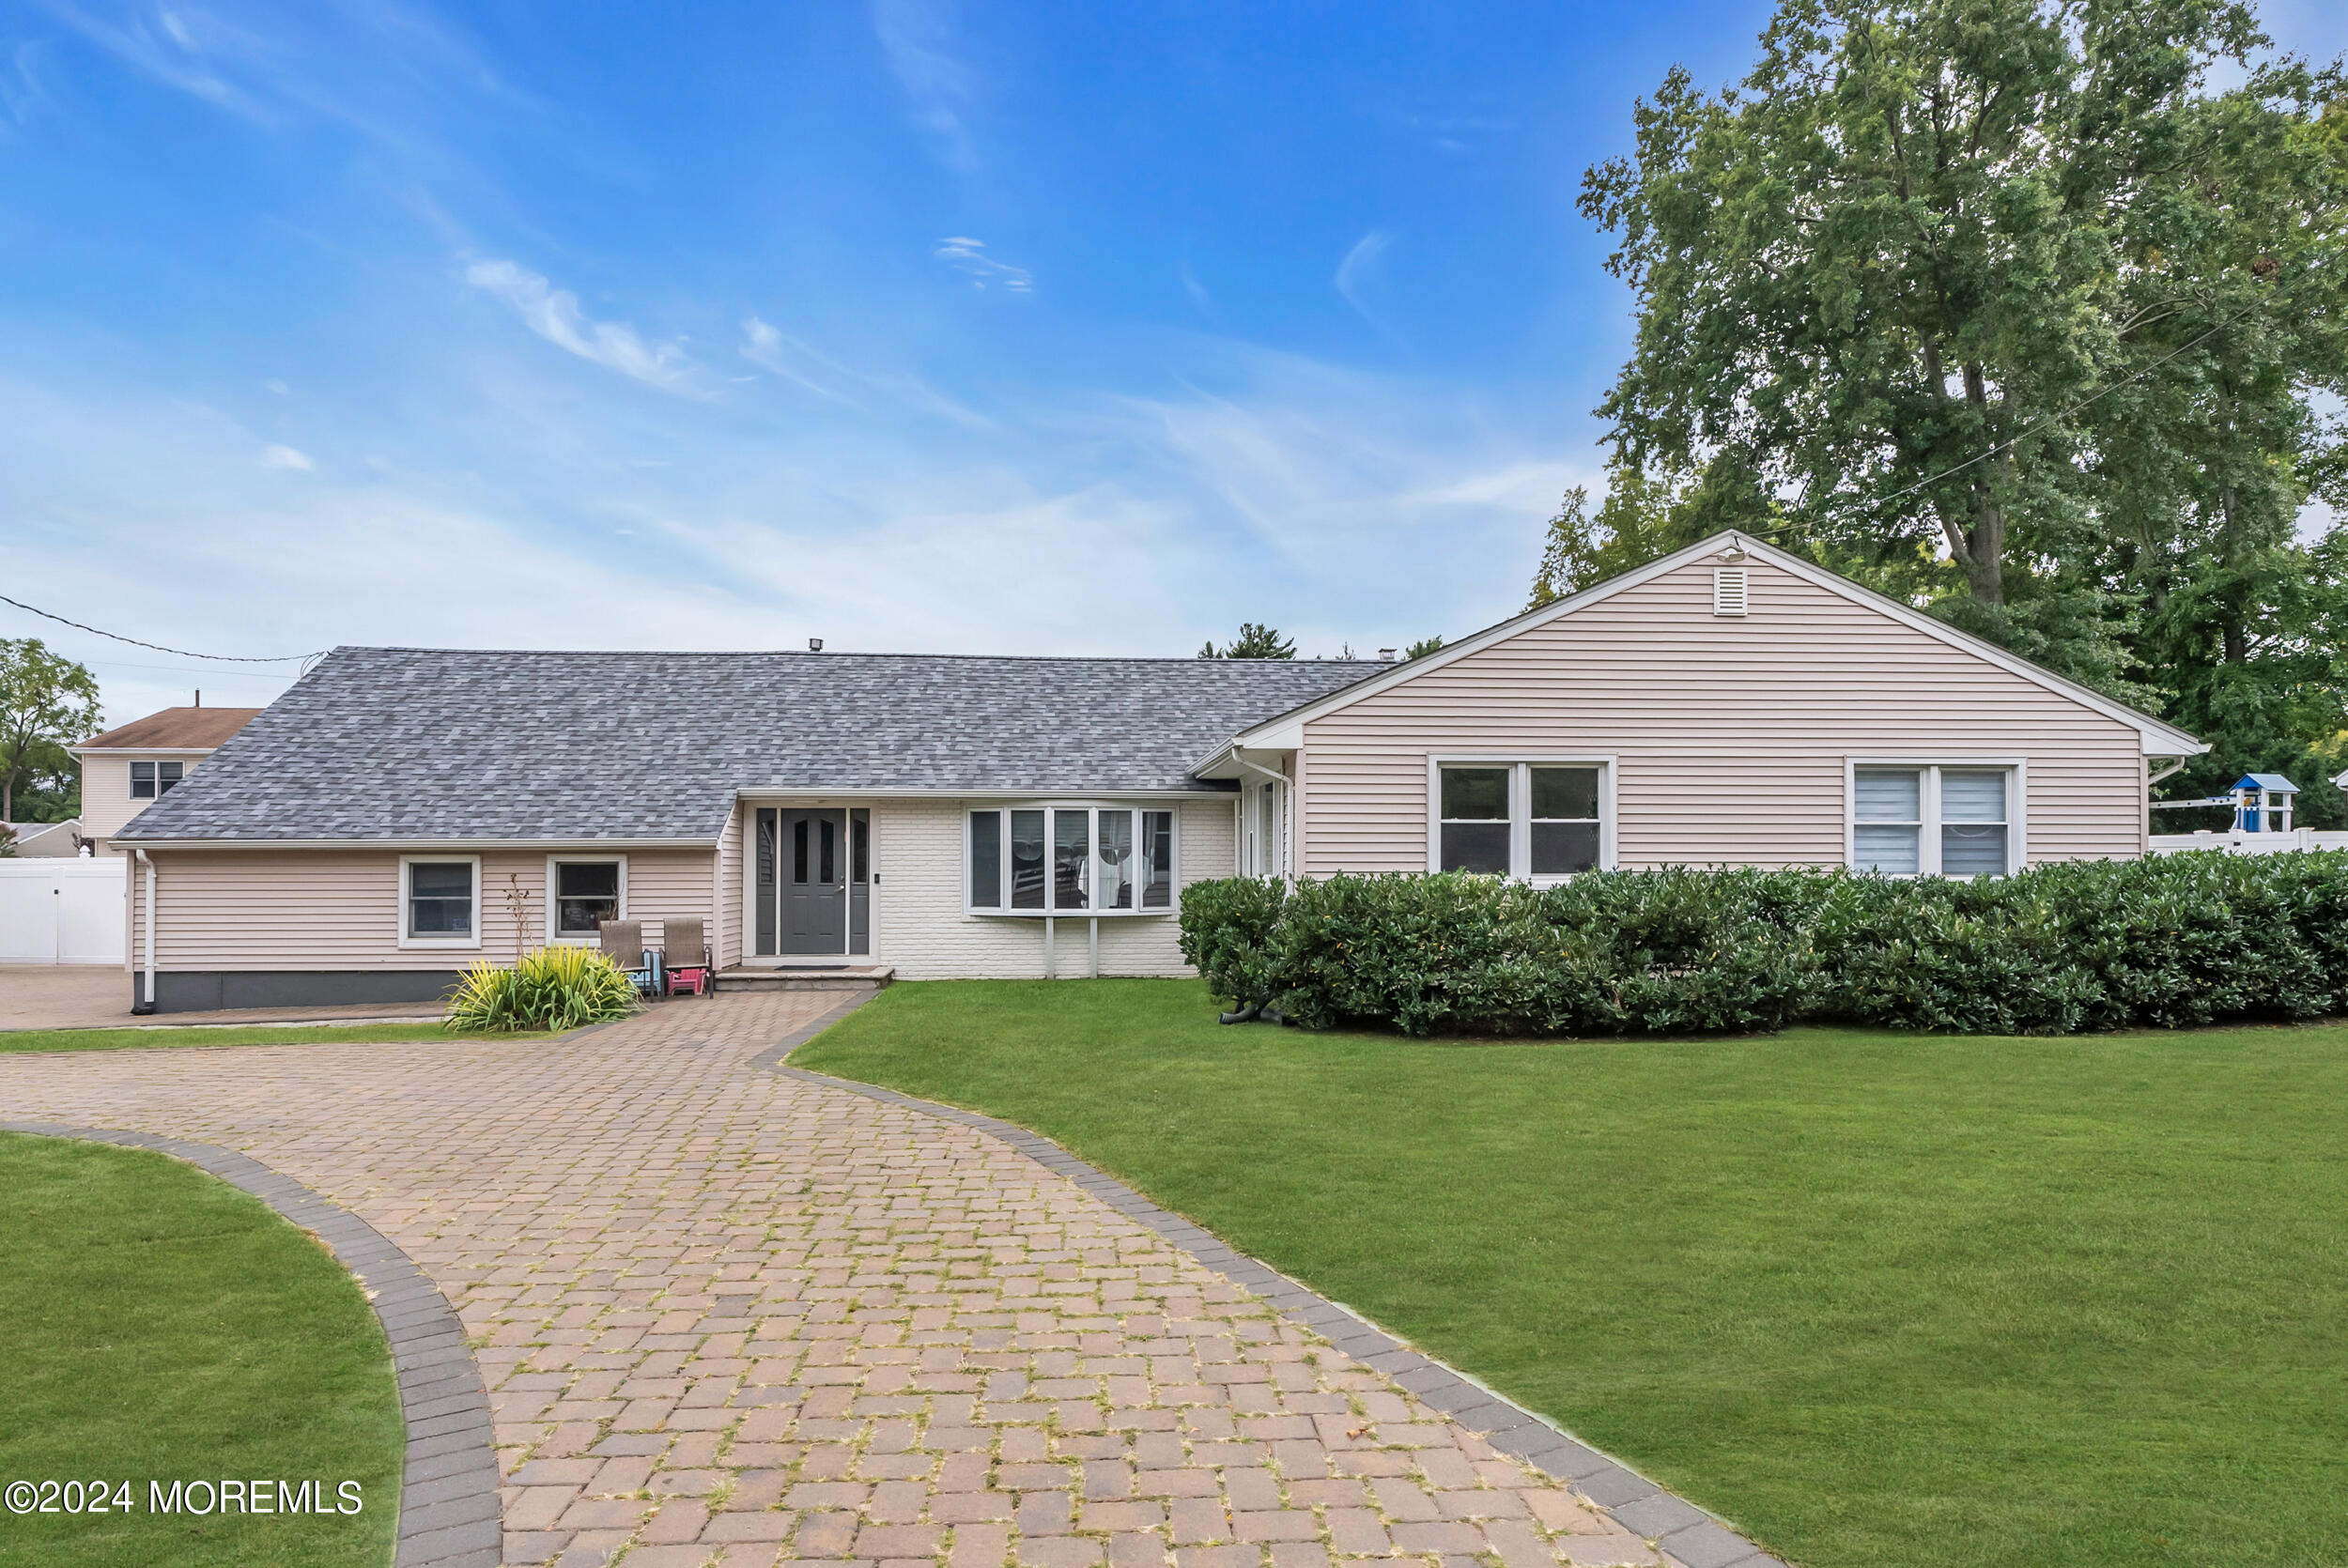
(557, 939)
(1092, 826)
(1928, 833)
(407, 939)
(1520, 766)
(157, 786)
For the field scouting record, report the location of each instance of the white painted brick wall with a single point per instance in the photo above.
(924, 933)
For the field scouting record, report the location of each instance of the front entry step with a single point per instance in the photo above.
(852, 977)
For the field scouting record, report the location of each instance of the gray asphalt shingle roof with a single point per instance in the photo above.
(403, 744)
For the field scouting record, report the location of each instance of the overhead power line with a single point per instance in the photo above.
(181, 653)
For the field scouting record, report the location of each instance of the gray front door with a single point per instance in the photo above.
(814, 854)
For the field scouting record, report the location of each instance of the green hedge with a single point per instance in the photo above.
(2187, 939)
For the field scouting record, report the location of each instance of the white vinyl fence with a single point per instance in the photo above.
(2249, 843)
(61, 909)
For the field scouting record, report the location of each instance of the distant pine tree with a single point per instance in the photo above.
(1253, 642)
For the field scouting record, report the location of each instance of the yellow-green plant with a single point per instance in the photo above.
(553, 988)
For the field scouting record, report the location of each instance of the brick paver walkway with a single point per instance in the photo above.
(736, 1318)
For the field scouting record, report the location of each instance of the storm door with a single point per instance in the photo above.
(813, 881)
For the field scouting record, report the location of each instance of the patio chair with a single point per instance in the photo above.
(687, 955)
(624, 945)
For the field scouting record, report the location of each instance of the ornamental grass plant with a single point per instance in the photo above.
(2180, 939)
(550, 988)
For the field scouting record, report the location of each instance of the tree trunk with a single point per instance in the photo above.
(1985, 546)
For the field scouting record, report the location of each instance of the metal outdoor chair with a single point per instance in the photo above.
(686, 952)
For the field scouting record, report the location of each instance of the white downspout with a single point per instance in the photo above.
(146, 943)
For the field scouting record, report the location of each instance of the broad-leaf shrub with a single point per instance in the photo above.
(2187, 939)
(553, 988)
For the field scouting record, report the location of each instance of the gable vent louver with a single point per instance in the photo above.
(1728, 591)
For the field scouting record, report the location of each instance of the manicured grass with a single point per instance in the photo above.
(163, 1325)
(1879, 1298)
(154, 1040)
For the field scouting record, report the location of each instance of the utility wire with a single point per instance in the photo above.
(181, 653)
(2101, 392)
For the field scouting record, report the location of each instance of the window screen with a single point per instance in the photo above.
(1565, 821)
(586, 893)
(1117, 861)
(168, 777)
(1072, 859)
(440, 898)
(1157, 859)
(1026, 860)
(142, 781)
(1475, 830)
(986, 860)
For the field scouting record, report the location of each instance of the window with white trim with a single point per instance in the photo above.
(1933, 820)
(440, 901)
(584, 892)
(153, 780)
(1071, 860)
(1526, 820)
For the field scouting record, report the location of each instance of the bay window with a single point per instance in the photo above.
(1935, 819)
(1071, 860)
(1533, 820)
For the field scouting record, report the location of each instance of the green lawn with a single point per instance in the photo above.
(160, 1324)
(1883, 1300)
(265, 1034)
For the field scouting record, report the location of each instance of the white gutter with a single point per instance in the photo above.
(147, 943)
(364, 845)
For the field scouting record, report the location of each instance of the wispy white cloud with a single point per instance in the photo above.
(274, 456)
(1357, 269)
(804, 365)
(970, 256)
(917, 39)
(554, 315)
(787, 357)
(1192, 287)
(174, 47)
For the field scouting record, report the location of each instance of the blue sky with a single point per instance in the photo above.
(1013, 327)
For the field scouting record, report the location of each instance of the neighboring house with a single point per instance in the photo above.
(127, 770)
(36, 840)
(385, 821)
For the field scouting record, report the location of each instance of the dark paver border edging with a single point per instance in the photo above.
(449, 1508)
(1691, 1535)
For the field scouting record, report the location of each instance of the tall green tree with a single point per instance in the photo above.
(1253, 642)
(1954, 286)
(46, 703)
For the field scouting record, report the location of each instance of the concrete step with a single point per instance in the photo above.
(856, 976)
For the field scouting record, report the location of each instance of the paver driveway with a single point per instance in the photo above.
(731, 1316)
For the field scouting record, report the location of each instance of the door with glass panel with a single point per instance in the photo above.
(813, 882)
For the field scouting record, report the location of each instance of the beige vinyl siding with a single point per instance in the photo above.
(259, 910)
(726, 937)
(1731, 734)
(106, 804)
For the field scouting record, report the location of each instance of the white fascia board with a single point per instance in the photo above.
(802, 795)
(2158, 739)
(412, 846)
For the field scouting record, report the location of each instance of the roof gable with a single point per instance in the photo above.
(1284, 731)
